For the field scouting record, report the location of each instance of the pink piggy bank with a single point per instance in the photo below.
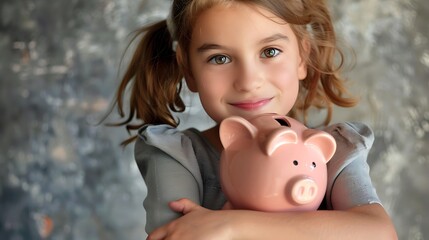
(273, 163)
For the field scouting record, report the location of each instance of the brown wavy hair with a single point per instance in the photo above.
(154, 77)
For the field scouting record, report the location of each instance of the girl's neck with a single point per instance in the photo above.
(212, 135)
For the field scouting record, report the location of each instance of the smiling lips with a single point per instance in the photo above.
(251, 105)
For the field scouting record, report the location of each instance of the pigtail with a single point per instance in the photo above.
(323, 86)
(153, 79)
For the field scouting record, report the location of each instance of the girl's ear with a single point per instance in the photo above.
(304, 55)
(190, 82)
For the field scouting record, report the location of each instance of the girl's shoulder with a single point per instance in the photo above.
(351, 136)
(168, 144)
(166, 138)
(169, 139)
(159, 135)
(354, 141)
(348, 169)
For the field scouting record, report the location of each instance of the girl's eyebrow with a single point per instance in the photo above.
(212, 46)
(275, 37)
(208, 46)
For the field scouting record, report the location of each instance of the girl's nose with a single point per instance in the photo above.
(249, 77)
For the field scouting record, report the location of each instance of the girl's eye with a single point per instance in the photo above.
(270, 52)
(219, 59)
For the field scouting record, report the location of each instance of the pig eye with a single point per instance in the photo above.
(295, 162)
(283, 122)
(313, 164)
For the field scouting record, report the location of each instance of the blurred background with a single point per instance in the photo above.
(62, 176)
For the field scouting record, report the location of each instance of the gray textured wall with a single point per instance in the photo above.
(59, 65)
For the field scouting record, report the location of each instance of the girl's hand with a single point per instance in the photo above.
(196, 223)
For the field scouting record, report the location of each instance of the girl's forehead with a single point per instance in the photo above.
(235, 19)
(238, 7)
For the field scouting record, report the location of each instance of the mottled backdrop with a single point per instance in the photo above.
(62, 176)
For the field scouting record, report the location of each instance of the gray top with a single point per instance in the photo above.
(183, 164)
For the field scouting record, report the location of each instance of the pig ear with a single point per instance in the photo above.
(279, 137)
(236, 128)
(322, 141)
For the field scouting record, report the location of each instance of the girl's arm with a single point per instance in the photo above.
(166, 180)
(363, 222)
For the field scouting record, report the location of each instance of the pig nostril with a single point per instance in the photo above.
(313, 164)
(312, 191)
(295, 162)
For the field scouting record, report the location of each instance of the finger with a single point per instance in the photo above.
(184, 206)
(157, 234)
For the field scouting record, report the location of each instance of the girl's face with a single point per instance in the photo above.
(244, 61)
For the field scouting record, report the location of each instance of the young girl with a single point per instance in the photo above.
(242, 58)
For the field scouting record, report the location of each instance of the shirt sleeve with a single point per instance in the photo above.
(166, 180)
(349, 181)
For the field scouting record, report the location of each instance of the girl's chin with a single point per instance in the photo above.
(251, 114)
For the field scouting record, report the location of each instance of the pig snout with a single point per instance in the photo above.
(304, 191)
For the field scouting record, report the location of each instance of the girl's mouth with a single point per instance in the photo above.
(251, 105)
